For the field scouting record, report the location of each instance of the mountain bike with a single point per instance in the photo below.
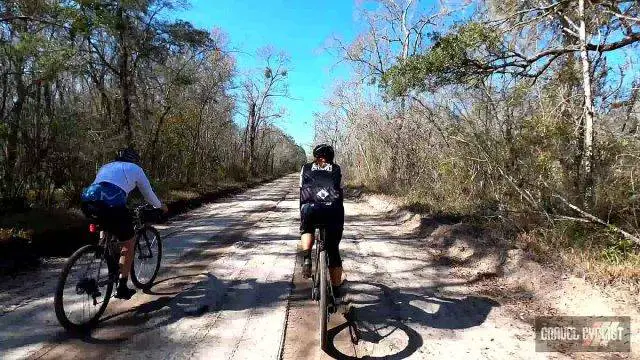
(322, 290)
(86, 283)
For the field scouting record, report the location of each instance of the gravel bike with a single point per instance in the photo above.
(322, 290)
(86, 283)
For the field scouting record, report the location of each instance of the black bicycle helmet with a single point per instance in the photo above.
(128, 154)
(324, 151)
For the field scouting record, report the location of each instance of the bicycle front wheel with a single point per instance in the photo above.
(147, 258)
(84, 289)
(324, 308)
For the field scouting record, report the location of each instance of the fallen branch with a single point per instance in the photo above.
(596, 220)
(571, 218)
(525, 194)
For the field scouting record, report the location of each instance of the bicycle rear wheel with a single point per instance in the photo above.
(84, 289)
(147, 258)
(324, 308)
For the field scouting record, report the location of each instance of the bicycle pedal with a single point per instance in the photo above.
(95, 298)
(333, 308)
(125, 294)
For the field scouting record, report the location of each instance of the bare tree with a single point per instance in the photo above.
(260, 90)
(394, 31)
(80, 79)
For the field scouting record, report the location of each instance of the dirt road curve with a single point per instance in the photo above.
(227, 290)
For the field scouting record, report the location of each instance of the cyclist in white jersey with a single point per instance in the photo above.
(106, 199)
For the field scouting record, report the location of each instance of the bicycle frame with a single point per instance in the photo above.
(322, 290)
(106, 251)
(319, 247)
(139, 226)
(108, 243)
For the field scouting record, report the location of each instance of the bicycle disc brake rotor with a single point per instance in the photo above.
(87, 286)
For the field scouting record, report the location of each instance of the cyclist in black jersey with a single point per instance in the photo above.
(321, 202)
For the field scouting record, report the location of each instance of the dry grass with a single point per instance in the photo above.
(590, 253)
(174, 195)
(37, 221)
(592, 266)
(6, 234)
(587, 250)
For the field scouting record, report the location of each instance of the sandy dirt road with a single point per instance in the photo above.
(403, 303)
(229, 289)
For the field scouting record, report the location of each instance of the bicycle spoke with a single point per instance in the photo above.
(148, 257)
(80, 308)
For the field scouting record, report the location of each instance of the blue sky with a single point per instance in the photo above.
(301, 28)
(298, 27)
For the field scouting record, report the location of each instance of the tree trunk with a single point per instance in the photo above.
(196, 147)
(398, 170)
(5, 92)
(15, 119)
(125, 78)
(252, 139)
(252, 159)
(153, 145)
(588, 112)
(244, 145)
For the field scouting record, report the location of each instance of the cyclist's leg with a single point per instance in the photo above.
(334, 235)
(306, 238)
(126, 257)
(120, 224)
(306, 226)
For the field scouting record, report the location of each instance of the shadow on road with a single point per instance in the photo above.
(191, 243)
(208, 295)
(377, 312)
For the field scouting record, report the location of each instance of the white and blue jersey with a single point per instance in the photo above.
(107, 193)
(115, 181)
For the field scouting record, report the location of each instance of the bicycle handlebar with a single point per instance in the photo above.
(147, 213)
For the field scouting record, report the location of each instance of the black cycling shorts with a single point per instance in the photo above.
(312, 215)
(117, 220)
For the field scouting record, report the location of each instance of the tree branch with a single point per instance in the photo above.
(596, 220)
